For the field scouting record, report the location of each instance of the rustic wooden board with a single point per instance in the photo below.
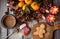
(49, 29)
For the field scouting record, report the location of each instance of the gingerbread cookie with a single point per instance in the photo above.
(40, 31)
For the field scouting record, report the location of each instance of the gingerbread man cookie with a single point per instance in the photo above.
(40, 31)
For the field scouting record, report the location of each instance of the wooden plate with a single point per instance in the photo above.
(49, 31)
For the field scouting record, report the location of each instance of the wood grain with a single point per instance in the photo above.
(49, 31)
